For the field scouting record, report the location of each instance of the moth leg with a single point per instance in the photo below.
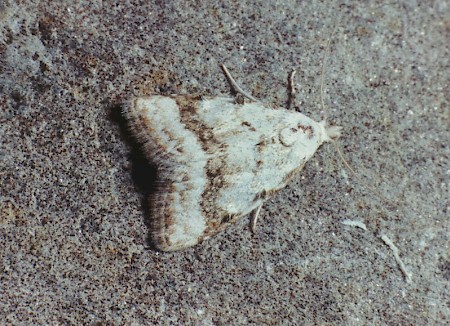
(292, 83)
(292, 90)
(236, 87)
(254, 218)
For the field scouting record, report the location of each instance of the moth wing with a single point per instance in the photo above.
(264, 148)
(217, 160)
(175, 221)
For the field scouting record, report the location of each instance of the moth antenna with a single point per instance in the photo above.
(372, 190)
(322, 77)
(236, 87)
(334, 132)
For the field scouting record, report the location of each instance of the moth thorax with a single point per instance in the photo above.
(290, 135)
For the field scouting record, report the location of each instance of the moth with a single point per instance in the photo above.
(217, 160)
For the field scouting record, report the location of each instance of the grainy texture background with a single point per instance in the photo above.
(73, 228)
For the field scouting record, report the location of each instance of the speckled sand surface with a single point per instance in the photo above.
(73, 233)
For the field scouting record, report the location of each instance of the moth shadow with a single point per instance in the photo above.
(143, 173)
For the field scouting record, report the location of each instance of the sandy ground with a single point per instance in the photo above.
(73, 183)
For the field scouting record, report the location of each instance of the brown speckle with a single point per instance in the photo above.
(249, 125)
(308, 130)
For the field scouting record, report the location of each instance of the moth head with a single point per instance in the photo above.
(290, 135)
(307, 135)
(304, 132)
